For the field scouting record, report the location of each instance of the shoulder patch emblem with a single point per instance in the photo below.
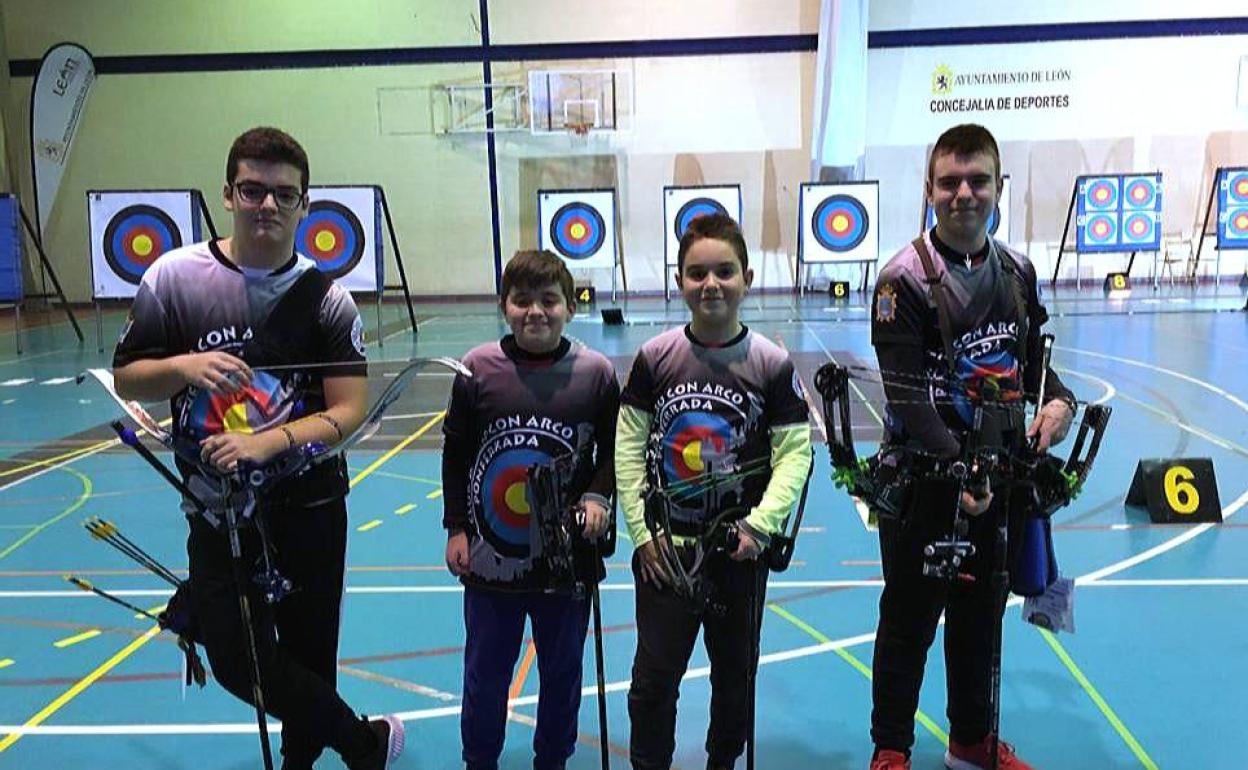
(886, 303)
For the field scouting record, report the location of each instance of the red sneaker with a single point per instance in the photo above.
(887, 759)
(978, 756)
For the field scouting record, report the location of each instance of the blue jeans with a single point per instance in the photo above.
(494, 622)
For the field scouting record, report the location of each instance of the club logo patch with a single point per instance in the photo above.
(886, 304)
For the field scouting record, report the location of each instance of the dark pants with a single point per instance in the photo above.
(494, 625)
(667, 627)
(296, 639)
(910, 609)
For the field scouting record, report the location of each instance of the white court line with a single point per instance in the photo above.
(801, 652)
(626, 587)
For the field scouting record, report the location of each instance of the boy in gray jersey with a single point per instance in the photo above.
(710, 397)
(932, 385)
(534, 397)
(259, 352)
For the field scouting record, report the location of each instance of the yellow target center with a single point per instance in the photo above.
(325, 240)
(1241, 222)
(577, 231)
(235, 419)
(516, 499)
(692, 455)
(840, 223)
(142, 245)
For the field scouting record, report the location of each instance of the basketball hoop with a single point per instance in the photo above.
(578, 133)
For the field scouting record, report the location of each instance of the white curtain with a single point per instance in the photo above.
(839, 135)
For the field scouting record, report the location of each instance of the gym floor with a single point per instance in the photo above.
(1152, 678)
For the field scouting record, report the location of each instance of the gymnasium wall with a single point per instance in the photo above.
(697, 119)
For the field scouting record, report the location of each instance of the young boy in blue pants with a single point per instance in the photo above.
(533, 398)
(711, 403)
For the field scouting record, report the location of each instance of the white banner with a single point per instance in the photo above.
(1056, 90)
(342, 235)
(131, 229)
(682, 205)
(579, 226)
(56, 103)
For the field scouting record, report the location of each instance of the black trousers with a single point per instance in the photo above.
(910, 610)
(667, 627)
(296, 639)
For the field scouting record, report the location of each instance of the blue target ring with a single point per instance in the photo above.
(1101, 195)
(505, 513)
(135, 237)
(1237, 224)
(1237, 188)
(697, 207)
(695, 443)
(1140, 193)
(994, 220)
(332, 236)
(840, 222)
(577, 230)
(1138, 228)
(1100, 229)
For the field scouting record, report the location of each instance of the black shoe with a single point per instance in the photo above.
(389, 734)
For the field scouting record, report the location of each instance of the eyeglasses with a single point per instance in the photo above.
(254, 194)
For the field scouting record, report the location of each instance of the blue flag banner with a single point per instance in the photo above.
(10, 250)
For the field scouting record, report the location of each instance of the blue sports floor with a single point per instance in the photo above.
(1153, 678)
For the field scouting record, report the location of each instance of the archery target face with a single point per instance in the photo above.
(1233, 209)
(1139, 192)
(682, 205)
(579, 226)
(839, 222)
(1101, 194)
(333, 237)
(1139, 228)
(998, 222)
(1101, 229)
(506, 514)
(1119, 213)
(342, 235)
(130, 230)
(695, 443)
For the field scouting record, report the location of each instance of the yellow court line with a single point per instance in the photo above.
(70, 641)
(380, 461)
(402, 509)
(71, 455)
(87, 488)
(7, 662)
(80, 686)
(858, 666)
(151, 611)
(435, 494)
(1109, 714)
(374, 524)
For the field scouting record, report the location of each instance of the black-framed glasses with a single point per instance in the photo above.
(254, 193)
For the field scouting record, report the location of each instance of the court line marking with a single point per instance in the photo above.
(87, 489)
(1100, 702)
(385, 458)
(626, 587)
(702, 672)
(517, 684)
(34, 722)
(70, 641)
(928, 723)
(374, 524)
